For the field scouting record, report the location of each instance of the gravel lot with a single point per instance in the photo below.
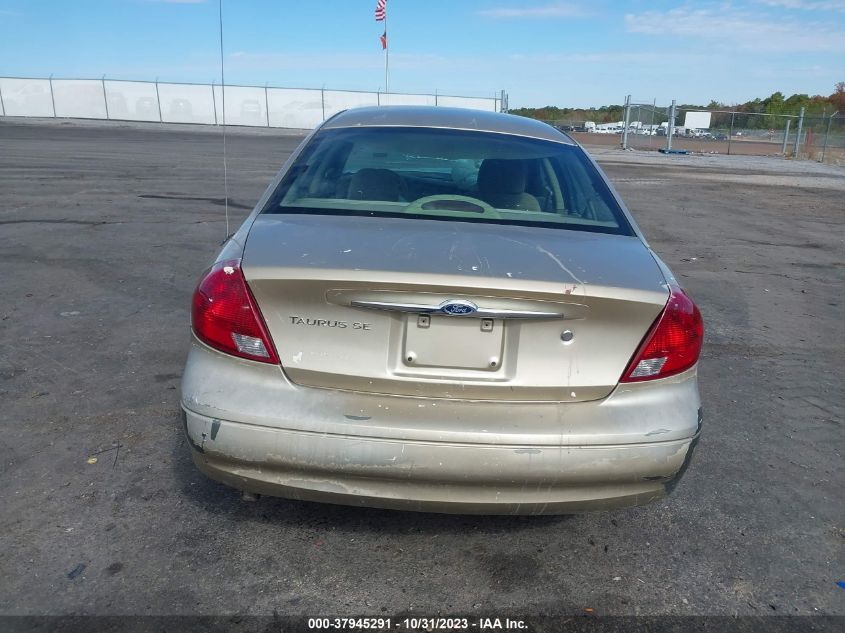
(104, 229)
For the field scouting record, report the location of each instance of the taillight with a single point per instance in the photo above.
(673, 343)
(225, 316)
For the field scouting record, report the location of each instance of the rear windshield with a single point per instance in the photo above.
(452, 175)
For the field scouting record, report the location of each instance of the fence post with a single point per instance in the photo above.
(827, 133)
(626, 119)
(651, 129)
(435, 97)
(323, 100)
(2, 105)
(52, 97)
(158, 101)
(671, 129)
(731, 132)
(785, 137)
(214, 102)
(798, 132)
(378, 97)
(105, 98)
(266, 105)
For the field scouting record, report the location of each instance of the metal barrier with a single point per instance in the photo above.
(168, 102)
(738, 132)
(647, 125)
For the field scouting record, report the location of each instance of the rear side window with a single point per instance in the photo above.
(451, 175)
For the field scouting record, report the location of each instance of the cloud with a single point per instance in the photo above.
(555, 10)
(739, 30)
(806, 5)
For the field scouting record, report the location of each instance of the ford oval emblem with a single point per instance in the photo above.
(458, 308)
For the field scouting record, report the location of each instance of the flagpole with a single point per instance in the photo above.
(386, 56)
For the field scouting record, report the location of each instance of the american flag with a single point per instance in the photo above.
(381, 10)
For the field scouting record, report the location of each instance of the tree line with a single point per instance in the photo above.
(772, 107)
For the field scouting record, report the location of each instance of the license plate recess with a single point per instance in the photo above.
(453, 342)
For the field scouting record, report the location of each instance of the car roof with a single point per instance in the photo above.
(446, 118)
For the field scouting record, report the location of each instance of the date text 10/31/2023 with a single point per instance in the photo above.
(418, 624)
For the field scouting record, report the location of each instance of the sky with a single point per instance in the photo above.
(542, 52)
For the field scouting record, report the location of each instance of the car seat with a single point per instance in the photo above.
(501, 184)
(375, 184)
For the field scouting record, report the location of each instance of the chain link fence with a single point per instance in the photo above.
(824, 139)
(647, 125)
(820, 138)
(166, 102)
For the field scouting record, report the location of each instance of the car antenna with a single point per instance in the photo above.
(223, 101)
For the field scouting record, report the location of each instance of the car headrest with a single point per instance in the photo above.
(375, 184)
(497, 175)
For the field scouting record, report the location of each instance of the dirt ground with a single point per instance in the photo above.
(104, 230)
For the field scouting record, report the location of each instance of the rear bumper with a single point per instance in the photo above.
(436, 477)
(432, 476)
(253, 430)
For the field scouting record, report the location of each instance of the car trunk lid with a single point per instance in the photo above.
(445, 309)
